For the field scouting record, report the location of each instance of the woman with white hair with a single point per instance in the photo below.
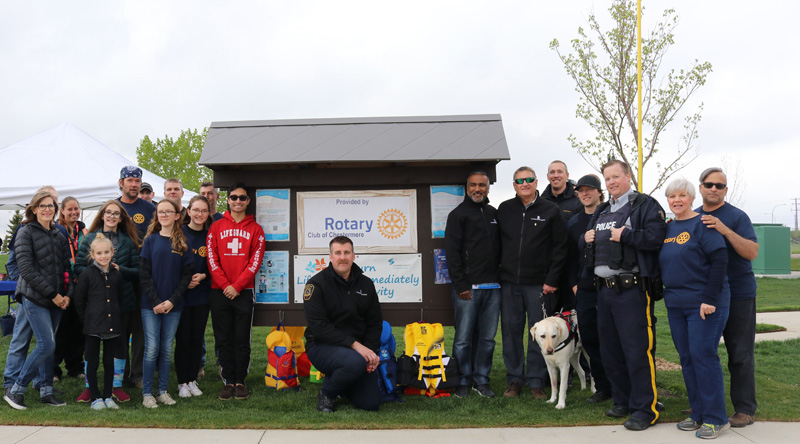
(694, 261)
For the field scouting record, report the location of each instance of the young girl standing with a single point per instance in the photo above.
(194, 317)
(165, 269)
(97, 301)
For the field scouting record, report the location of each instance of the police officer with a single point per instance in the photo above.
(472, 245)
(344, 330)
(581, 283)
(623, 243)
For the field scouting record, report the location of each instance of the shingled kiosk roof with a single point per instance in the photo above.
(352, 140)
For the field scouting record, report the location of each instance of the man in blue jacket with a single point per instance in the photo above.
(473, 256)
(533, 240)
(622, 245)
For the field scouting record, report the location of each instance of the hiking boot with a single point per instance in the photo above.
(513, 390)
(165, 399)
(484, 390)
(241, 392)
(52, 400)
(538, 393)
(598, 397)
(324, 404)
(15, 401)
(461, 391)
(688, 425)
(85, 396)
(227, 392)
(120, 394)
(149, 402)
(741, 420)
(617, 411)
(637, 424)
(711, 431)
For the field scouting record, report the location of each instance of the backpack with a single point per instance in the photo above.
(282, 368)
(425, 368)
(298, 346)
(387, 369)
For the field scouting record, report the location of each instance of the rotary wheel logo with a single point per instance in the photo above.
(682, 238)
(202, 251)
(138, 218)
(392, 223)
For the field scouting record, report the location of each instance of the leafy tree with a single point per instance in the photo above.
(176, 158)
(604, 71)
(16, 219)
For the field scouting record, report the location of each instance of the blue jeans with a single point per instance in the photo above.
(475, 318)
(159, 332)
(697, 341)
(42, 323)
(518, 302)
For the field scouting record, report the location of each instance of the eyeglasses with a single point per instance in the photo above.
(720, 186)
(524, 179)
(235, 197)
(196, 211)
(115, 214)
(46, 207)
(166, 213)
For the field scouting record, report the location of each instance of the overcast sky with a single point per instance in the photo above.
(121, 70)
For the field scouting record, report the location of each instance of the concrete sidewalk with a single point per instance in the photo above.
(758, 433)
(788, 319)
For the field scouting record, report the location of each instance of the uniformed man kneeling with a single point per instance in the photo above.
(344, 330)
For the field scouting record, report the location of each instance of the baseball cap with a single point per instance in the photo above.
(589, 180)
(146, 186)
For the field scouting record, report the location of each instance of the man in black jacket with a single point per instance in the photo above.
(561, 191)
(344, 330)
(533, 239)
(473, 255)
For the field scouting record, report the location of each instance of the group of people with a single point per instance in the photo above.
(568, 248)
(141, 277)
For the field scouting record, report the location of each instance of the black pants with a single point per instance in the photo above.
(189, 342)
(740, 336)
(93, 362)
(587, 323)
(232, 321)
(69, 344)
(346, 374)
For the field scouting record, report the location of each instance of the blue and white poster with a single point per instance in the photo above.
(397, 277)
(272, 280)
(440, 265)
(443, 199)
(272, 213)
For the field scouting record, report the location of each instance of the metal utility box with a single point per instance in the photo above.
(774, 249)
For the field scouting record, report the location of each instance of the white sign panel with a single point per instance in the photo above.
(376, 221)
(443, 199)
(272, 213)
(397, 277)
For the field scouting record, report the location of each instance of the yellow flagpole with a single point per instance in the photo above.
(639, 82)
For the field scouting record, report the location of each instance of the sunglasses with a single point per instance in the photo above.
(235, 197)
(524, 179)
(720, 186)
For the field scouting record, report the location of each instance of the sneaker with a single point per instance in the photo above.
(538, 393)
(688, 425)
(15, 401)
(194, 390)
(484, 390)
(183, 391)
(52, 400)
(98, 404)
(110, 404)
(711, 431)
(241, 392)
(120, 394)
(598, 397)
(149, 402)
(227, 392)
(85, 396)
(741, 420)
(166, 399)
(461, 391)
(513, 390)
(201, 373)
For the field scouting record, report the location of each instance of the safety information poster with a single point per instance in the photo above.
(443, 199)
(272, 213)
(272, 280)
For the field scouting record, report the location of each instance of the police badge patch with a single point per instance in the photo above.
(308, 291)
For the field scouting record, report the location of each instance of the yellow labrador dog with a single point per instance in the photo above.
(561, 346)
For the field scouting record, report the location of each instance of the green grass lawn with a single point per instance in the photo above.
(777, 379)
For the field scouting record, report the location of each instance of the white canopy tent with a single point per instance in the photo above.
(73, 162)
